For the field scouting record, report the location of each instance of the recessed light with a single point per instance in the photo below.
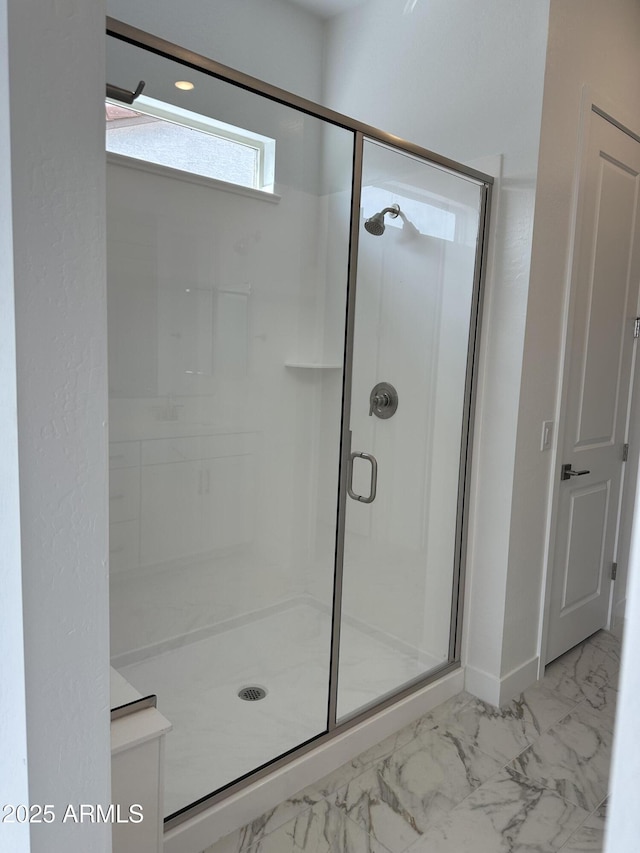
(185, 85)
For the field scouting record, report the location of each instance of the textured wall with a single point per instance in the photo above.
(57, 131)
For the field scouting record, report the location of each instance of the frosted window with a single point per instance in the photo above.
(169, 144)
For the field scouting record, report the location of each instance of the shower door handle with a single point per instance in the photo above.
(374, 477)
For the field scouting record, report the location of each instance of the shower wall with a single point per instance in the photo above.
(146, 604)
(215, 431)
(413, 310)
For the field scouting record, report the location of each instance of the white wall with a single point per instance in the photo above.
(229, 287)
(53, 220)
(273, 40)
(623, 822)
(14, 779)
(465, 79)
(457, 77)
(595, 45)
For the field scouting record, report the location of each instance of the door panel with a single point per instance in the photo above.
(587, 524)
(597, 375)
(605, 342)
(413, 309)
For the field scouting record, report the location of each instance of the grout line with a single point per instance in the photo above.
(329, 798)
(581, 826)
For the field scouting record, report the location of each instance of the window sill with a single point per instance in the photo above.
(189, 177)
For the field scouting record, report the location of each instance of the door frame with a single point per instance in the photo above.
(592, 102)
(466, 436)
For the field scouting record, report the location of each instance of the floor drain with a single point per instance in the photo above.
(252, 693)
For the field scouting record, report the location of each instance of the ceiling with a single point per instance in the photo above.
(327, 8)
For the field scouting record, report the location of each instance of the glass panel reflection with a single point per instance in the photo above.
(416, 262)
(226, 312)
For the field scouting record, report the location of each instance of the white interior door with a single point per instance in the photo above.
(598, 372)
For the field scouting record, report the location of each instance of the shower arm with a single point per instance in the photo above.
(124, 95)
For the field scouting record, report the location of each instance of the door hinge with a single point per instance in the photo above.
(636, 328)
(614, 571)
(625, 452)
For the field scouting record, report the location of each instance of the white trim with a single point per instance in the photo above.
(204, 829)
(498, 691)
(613, 111)
(187, 118)
(265, 146)
(518, 680)
(482, 684)
(476, 545)
(190, 177)
(135, 729)
(618, 618)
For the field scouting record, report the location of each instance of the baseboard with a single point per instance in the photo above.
(499, 690)
(482, 684)
(513, 683)
(618, 618)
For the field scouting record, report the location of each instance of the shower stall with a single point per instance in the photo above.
(293, 304)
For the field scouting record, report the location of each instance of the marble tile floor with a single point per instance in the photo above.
(216, 737)
(531, 777)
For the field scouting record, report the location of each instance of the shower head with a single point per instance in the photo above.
(375, 224)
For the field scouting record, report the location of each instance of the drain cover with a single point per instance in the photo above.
(252, 693)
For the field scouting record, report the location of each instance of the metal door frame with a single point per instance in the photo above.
(161, 47)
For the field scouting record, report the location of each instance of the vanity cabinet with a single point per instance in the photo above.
(124, 505)
(171, 521)
(180, 498)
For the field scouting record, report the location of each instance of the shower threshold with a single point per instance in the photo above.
(217, 737)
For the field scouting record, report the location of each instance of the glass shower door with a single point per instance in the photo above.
(291, 332)
(409, 410)
(226, 315)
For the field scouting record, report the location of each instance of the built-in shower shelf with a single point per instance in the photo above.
(312, 365)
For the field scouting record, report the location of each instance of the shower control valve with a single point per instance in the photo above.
(380, 401)
(383, 400)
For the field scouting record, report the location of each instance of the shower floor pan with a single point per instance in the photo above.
(216, 736)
